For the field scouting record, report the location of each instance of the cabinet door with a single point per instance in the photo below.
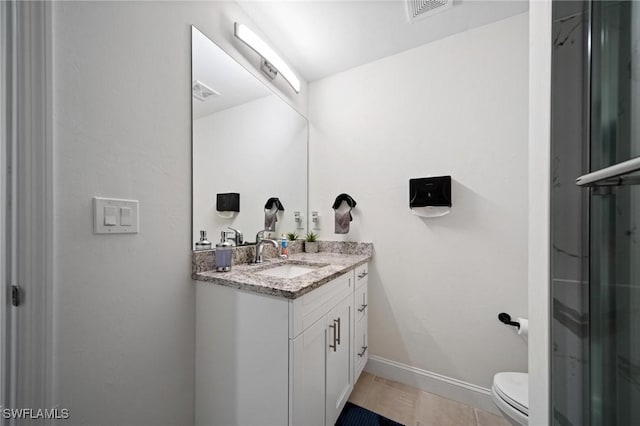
(339, 362)
(308, 375)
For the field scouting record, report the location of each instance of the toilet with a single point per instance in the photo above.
(510, 392)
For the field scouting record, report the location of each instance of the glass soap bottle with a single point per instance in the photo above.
(223, 254)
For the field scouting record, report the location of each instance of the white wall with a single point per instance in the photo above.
(265, 159)
(458, 107)
(124, 304)
(539, 213)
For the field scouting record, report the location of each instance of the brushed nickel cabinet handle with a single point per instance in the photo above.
(334, 346)
(362, 308)
(364, 349)
(339, 330)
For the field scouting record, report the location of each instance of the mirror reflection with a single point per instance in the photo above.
(246, 141)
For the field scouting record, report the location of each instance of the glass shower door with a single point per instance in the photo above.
(614, 251)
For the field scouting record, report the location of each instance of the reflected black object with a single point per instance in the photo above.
(506, 318)
(228, 202)
(431, 191)
(274, 201)
(344, 197)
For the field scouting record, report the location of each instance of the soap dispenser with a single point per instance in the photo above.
(223, 254)
(203, 244)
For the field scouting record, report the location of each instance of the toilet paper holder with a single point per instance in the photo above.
(506, 319)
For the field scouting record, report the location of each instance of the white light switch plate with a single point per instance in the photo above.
(124, 209)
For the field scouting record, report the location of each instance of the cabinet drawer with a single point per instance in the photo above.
(361, 347)
(308, 309)
(362, 274)
(360, 301)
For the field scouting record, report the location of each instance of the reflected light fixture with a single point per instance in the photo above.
(203, 92)
(274, 63)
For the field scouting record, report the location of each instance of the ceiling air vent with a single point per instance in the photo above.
(203, 92)
(418, 9)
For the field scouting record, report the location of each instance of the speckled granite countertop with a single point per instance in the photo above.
(329, 264)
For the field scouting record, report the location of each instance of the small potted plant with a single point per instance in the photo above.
(295, 245)
(311, 243)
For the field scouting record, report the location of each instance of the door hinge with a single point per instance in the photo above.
(16, 295)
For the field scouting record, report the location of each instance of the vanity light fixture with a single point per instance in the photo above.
(273, 62)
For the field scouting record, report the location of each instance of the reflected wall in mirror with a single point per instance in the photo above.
(246, 140)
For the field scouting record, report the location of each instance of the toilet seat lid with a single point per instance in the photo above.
(514, 389)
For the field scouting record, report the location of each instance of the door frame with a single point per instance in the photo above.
(27, 205)
(539, 273)
(5, 84)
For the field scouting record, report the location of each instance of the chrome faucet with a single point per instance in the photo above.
(238, 237)
(260, 242)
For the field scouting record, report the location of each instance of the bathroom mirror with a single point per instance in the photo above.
(245, 140)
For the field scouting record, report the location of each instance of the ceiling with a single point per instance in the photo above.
(321, 37)
(213, 67)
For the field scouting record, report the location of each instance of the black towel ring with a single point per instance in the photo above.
(345, 198)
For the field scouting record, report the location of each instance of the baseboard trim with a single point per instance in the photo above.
(448, 387)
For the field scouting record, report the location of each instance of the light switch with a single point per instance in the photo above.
(115, 216)
(125, 216)
(110, 213)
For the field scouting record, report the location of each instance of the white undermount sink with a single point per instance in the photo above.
(287, 271)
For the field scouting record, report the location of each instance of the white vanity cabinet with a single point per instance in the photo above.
(267, 360)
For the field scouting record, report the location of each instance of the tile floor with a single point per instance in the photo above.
(413, 407)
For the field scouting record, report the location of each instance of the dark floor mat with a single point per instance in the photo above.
(353, 415)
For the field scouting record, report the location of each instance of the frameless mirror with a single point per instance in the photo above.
(245, 140)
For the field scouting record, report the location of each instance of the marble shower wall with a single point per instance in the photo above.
(568, 212)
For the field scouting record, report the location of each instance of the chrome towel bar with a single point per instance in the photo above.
(612, 175)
